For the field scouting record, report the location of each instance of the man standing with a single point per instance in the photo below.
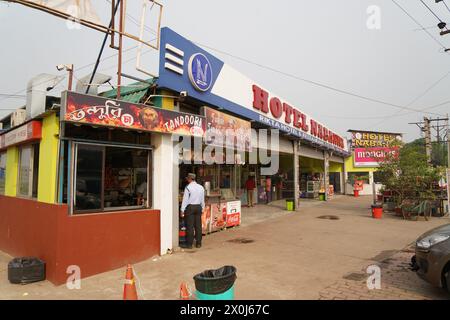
(192, 208)
(250, 186)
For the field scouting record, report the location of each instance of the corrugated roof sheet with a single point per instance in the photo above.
(132, 93)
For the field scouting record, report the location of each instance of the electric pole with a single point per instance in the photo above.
(427, 130)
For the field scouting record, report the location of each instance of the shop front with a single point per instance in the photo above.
(369, 148)
(196, 79)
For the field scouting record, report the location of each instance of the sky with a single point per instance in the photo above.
(324, 42)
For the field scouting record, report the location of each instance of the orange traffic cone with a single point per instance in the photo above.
(185, 294)
(129, 287)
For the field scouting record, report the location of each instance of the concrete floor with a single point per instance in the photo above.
(291, 256)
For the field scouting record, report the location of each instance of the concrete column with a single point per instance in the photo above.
(165, 189)
(326, 166)
(345, 177)
(296, 174)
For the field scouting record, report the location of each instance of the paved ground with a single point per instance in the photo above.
(292, 256)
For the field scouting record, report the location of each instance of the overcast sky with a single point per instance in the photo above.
(326, 41)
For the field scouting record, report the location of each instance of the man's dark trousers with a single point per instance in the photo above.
(193, 215)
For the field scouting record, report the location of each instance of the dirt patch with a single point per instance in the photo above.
(384, 256)
(329, 217)
(356, 276)
(241, 241)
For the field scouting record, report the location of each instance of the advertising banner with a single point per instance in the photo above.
(28, 132)
(227, 131)
(370, 148)
(98, 111)
(371, 157)
(233, 214)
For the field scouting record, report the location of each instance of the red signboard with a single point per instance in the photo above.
(28, 132)
(94, 110)
(371, 157)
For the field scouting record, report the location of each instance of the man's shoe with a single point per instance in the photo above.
(185, 246)
(198, 245)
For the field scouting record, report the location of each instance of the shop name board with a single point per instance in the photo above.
(291, 116)
(371, 157)
(93, 110)
(30, 131)
(363, 139)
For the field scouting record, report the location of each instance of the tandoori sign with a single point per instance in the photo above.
(31, 131)
(370, 148)
(99, 111)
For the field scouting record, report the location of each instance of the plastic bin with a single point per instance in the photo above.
(290, 204)
(322, 196)
(377, 211)
(216, 284)
(26, 270)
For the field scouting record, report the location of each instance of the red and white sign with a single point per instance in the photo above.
(233, 213)
(30, 131)
(371, 157)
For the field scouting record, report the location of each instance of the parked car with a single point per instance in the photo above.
(432, 259)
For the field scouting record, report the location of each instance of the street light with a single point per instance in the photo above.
(69, 68)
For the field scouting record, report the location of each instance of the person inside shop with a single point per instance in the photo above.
(268, 189)
(250, 187)
(191, 209)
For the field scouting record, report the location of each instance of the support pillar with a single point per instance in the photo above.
(165, 189)
(326, 170)
(296, 174)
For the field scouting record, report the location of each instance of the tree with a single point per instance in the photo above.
(408, 175)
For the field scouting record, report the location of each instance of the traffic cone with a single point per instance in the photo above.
(129, 287)
(185, 294)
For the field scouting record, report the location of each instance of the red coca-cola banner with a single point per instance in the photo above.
(99, 111)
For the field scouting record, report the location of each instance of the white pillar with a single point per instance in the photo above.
(165, 189)
(296, 174)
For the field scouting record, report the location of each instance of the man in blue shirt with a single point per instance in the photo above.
(192, 209)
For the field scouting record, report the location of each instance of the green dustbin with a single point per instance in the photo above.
(216, 284)
(290, 204)
(322, 196)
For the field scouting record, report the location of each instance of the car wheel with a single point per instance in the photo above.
(447, 280)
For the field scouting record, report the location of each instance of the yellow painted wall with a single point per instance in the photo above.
(48, 156)
(336, 167)
(311, 165)
(12, 169)
(349, 166)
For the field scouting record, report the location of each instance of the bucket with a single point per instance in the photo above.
(356, 193)
(377, 211)
(322, 196)
(290, 204)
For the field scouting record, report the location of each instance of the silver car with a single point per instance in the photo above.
(432, 259)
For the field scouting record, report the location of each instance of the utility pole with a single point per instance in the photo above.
(448, 166)
(427, 130)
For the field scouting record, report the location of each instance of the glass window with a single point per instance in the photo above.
(89, 178)
(111, 178)
(28, 171)
(2, 172)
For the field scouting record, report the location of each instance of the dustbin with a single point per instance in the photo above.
(322, 196)
(290, 204)
(26, 270)
(216, 284)
(377, 211)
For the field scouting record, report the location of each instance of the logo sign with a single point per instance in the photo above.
(200, 72)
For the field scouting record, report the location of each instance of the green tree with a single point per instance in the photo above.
(408, 175)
